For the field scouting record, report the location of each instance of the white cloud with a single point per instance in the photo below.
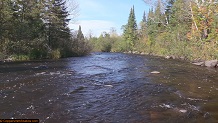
(100, 15)
(96, 26)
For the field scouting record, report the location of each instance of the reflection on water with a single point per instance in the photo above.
(109, 87)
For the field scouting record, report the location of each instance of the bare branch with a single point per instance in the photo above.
(150, 2)
(73, 9)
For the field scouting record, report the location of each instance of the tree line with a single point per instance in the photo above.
(181, 28)
(38, 29)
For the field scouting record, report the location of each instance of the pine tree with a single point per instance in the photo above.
(79, 41)
(168, 10)
(80, 46)
(180, 20)
(158, 12)
(6, 13)
(142, 31)
(34, 27)
(151, 30)
(130, 31)
(144, 17)
(151, 25)
(26, 26)
(133, 19)
(80, 35)
(56, 23)
(159, 17)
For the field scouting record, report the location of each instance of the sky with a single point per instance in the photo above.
(97, 16)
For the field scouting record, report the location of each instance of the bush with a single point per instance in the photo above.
(119, 45)
(37, 54)
(20, 57)
(55, 54)
(1, 56)
(106, 47)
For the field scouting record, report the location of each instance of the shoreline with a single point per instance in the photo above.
(197, 62)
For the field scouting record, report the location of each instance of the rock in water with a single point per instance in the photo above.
(199, 63)
(42, 67)
(211, 63)
(155, 72)
(168, 57)
(182, 58)
(108, 86)
(183, 111)
(77, 90)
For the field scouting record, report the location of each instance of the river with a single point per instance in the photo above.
(110, 88)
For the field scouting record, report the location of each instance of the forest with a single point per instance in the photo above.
(186, 29)
(38, 29)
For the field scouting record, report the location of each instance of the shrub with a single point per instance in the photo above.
(37, 54)
(1, 56)
(20, 57)
(106, 47)
(55, 54)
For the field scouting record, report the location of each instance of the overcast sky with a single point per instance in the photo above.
(101, 15)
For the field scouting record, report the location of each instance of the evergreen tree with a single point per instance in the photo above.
(158, 12)
(28, 25)
(80, 46)
(34, 28)
(168, 10)
(151, 29)
(159, 18)
(58, 32)
(144, 17)
(186, 28)
(180, 20)
(80, 35)
(133, 20)
(6, 13)
(130, 31)
(142, 31)
(79, 41)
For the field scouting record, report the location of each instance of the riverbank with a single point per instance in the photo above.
(54, 56)
(197, 62)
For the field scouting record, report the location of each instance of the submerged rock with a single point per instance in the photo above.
(42, 67)
(108, 86)
(42, 73)
(77, 89)
(165, 106)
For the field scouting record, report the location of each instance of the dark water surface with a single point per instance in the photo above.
(110, 88)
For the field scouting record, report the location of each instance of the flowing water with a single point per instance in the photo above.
(110, 88)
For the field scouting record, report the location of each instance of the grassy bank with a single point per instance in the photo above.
(163, 45)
